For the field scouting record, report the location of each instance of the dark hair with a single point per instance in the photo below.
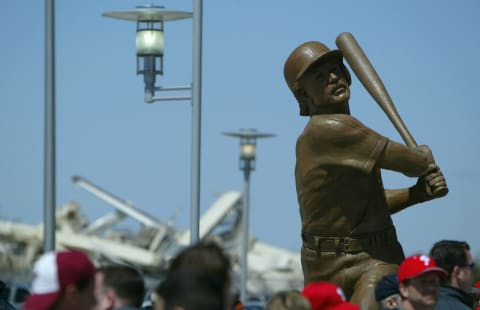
(450, 253)
(205, 257)
(126, 281)
(81, 286)
(196, 290)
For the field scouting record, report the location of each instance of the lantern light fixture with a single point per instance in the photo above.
(150, 43)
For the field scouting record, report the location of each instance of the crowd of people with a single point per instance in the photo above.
(199, 278)
(443, 279)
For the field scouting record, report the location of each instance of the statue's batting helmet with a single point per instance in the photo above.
(302, 58)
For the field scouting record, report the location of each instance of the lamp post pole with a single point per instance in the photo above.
(245, 233)
(49, 151)
(196, 120)
(248, 148)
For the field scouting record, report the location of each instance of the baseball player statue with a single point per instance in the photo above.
(347, 231)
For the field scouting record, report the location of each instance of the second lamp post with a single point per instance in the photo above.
(248, 145)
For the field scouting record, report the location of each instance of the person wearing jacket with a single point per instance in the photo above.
(456, 289)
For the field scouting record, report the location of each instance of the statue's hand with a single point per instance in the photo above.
(431, 185)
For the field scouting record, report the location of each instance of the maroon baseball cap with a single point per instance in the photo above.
(326, 296)
(417, 265)
(53, 272)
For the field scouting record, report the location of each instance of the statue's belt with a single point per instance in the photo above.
(342, 245)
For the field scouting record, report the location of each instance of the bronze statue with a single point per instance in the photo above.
(347, 231)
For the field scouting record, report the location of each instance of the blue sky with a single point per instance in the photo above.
(425, 51)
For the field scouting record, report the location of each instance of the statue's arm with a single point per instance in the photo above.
(411, 161)
(399, 199)
(415, 162)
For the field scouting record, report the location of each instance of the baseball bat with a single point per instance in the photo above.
(365, 72)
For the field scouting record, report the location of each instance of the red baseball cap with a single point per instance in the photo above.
(417, 265)
(326, 296)
(53, 272)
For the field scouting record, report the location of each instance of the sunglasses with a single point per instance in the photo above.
(471, 265)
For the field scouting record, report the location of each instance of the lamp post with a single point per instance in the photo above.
(150, 47)
(49, 168)
(248, 148)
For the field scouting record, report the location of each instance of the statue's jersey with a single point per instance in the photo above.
(339, 187)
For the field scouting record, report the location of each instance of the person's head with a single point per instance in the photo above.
(386, 292)
(419, 282)
(192, 290)
(118, 286)
(456, 259)
(205, 257)
(318, 79)
(62, 280)
(326, 296)
(288, 300)
(202, 256)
